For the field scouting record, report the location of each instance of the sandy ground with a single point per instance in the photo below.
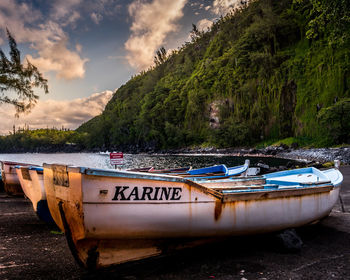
(30, 249)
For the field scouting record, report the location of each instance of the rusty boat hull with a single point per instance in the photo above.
(110, 217)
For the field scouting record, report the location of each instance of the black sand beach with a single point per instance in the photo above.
(30, 249)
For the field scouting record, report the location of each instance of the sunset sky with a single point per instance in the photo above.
(88, 48)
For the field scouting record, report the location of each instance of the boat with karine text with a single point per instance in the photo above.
(110, 217)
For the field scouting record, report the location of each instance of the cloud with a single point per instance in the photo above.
(63, 10)
(96, 18)
(78, 47)
(204, 24)
(45, 34)
(222, 7)
(56, 57)
(52, 113)
(152, 22)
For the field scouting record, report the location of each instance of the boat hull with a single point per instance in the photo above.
(12, 185)
(32, 182)
(114, 217)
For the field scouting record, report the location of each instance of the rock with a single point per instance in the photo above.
(290, 240)
(273, 169)
(253, 151)
(281, 168)
(284, 146)
(294, 145)
(263, 165)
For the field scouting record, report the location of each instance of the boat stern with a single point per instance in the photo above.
(12, 184)
(64, 197)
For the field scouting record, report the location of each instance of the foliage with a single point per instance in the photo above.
(331, 17)
(290, 142)
(160, 56)
(335, 120)
(43, 140)
(260, 74)
(19, 80)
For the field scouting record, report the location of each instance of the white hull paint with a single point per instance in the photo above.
(32, 185)
(12, 184)
(113, 217)
(189, 219)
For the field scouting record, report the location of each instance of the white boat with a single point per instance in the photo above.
(9, 176)
(32, 181)
(111, 217)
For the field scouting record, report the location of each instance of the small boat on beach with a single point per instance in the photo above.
(205, 173)
(10, 179)
(216, 172)
(110, 217)
(32, 182)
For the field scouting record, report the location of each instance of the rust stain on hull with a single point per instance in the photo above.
(95, 244)
(276, 194)
(13, 189)
(218, 210)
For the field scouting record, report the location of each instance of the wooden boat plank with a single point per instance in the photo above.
(238, 182)
(238, 187)
(228, 197)
(316, 183)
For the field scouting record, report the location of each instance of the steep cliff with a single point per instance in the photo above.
(272, 70)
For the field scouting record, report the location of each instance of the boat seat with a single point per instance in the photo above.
(315, 183)
(265, 187)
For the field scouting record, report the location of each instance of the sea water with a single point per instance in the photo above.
(157, 161)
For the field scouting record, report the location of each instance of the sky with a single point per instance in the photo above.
(87, 49)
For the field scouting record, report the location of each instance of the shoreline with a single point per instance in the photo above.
(317, 155)
(320, 155)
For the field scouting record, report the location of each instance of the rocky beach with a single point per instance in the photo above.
(31, 249)
(320, 155)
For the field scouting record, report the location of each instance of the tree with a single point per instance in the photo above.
(195, 33)
(160, 56)
(331, 16)
(335, 121)
(17, 80)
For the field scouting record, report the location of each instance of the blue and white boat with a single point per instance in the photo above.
(111, 217)
(32, 182)
(211, 172)
(217, 171)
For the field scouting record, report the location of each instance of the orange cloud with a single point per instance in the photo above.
(46, 36)
(52, 113)
(152, 22)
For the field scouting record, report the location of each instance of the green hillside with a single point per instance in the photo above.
(42, 140)
(272, 70)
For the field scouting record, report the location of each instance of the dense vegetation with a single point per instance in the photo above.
(42, 140)
(270, 71)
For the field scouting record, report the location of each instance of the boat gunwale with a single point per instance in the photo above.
(312, 170)
(219, 194)
(137, 175)
(277, 193)
(254, 194)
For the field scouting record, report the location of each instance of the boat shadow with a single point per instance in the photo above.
(255, 256)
